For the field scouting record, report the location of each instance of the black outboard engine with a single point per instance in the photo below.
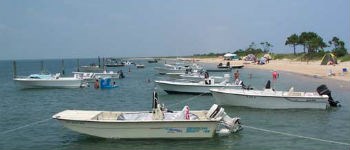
(323, 90)
(121, 74)
(155, 100)
(246, 87)
(268, 85)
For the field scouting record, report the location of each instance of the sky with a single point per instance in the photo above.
(45, 29)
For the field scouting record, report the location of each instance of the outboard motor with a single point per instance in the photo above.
(323, 90)
(121, 74)
(268, 85)
(156, 108)
(227, 124)
(155, 100)
(246, 87)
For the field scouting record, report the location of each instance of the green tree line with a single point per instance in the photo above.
(314, 43)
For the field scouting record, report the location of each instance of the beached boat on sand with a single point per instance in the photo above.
(159, 123)
(270, 99)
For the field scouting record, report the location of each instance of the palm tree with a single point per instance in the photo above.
(293, 40)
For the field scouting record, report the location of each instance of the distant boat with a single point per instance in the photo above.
(153, 61)
(91, 68)
(91, 76)
(177, 68)
(237, 66)
(114, 65)
(140, 66)
(113, 62)
(270, 99)
(158, 123)
(49, 81)
(221, 65)
(220, 70)
(127, 63)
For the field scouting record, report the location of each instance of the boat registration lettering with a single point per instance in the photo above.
(197, 129)
(173, 130)
(250, 96)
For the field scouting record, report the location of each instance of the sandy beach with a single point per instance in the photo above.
(313, 68)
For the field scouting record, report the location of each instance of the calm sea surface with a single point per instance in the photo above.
(20, 107)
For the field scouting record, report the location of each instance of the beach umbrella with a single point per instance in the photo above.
(229, 55)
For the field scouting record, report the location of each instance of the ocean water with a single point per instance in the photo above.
(21, 107)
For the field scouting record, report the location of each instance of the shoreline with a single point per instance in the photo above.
(310, 69)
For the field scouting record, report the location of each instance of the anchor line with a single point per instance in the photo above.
(187, 100)
(298, 136)
(25, 126)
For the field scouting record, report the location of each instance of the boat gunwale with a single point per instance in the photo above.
(277, 96)
(195, 84)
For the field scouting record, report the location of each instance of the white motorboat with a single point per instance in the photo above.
(270, 99)
(195, 87)
(91, 68)
(140, 66)
(159, 123)
(49, 81)
(177, 68)
(196, 76)
(91, 77)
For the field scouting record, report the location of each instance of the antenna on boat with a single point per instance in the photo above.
(14, 69)
(99, 62)
(42, 66)
(62, 66)
(78, 65)
(103, 63)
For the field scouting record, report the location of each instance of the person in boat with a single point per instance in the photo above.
(96, 85)
(275, 75)
(238, 82)
(236, 75)
(206, 78)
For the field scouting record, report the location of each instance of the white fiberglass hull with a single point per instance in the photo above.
(231, 98)
(195, 88)
(62, 82)
(139, 125)
(146, 129)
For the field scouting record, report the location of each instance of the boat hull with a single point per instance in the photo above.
(49, 83)
(146, 129)
(270, 102)
(190, 87)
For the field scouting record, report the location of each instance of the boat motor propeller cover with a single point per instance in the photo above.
(217, 112)
(268, 85)
(323, 90)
